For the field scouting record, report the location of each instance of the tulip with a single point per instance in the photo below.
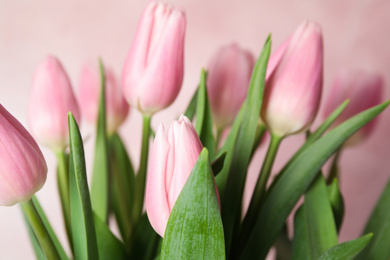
(171, 162)
(89, 93)
(229, 73)
(153, 70)
(363, 89)
(51, 99)
(23, 168)
(294, 84)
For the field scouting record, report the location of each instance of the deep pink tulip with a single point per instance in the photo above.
(51, 99)
(89, 95)
(229, 73)
(294, 84)
(171, 162)
(22, 166)
(363, 89)
(154, 67)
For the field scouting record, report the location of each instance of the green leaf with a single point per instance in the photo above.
(123, 181)
(49, 229)
(83, 229)
(347, 250)
(217, 164)
(301, 246)
(109, 247)
(99, 189)
(337, 202)
(312, 138)
(321, 226)
(145, 241)
(379, 224)
(204, 122)
(231, 197)
(194, 229)
(191, 109)
(295, 180)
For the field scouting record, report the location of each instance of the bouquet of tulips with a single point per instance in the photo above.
(185, 201)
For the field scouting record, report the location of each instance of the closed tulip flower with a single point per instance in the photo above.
(22, 166)
(89, 94)
(171, 162)
(294, 84)
(363, 89)
(229, 73)
(153, 70)
(51, 99)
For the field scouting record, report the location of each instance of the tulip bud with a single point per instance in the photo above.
(363, 89)
(153, 71)
(50, 101)
(89, 94)
(227, 82)
(294, 85)
(171, 162)
(22, 165)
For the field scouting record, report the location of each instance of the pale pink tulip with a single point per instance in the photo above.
(153, 71)
(89, 96)
(171, 162)
(22, 166)
(51, 99)
(294, 84)
(229, 73)
(363, 89)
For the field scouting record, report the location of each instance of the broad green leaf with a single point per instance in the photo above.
(194, 229)
(49, 229)
(231, 197)
(123, 181)
(109, 247)
(34, 241)
(295, 180)
(379, 224)
(337, 202)
(99, 188)
(347, 250)
(145, 241)
(191, 109)
(300, 246)
(204, 122)
(83, 229)
(321, 226)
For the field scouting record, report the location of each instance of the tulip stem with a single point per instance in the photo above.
(258, 195)
(63, 187)
(140, 179)
(40, 231)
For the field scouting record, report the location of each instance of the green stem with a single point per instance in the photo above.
(218, 139)
(63, 187)
(141, 176)
(40, 231)
(334, 169)
(258, 194)
(261, 128)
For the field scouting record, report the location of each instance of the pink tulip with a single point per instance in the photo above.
(50, 101)
(227, 82)
(171, 162)
(89, 94)
(294, 84)
(22, 165)
(363, 89)
(153, 71)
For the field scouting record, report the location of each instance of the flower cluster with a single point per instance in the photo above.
(192, 184)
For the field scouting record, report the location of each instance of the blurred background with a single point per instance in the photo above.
(356, 35)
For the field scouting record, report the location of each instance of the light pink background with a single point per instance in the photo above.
(356, 34)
